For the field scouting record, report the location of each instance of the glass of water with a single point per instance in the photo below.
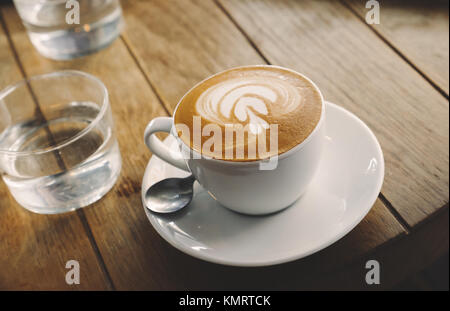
(65, 29)
(58, 150)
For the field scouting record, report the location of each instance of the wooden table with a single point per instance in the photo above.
(394, 76)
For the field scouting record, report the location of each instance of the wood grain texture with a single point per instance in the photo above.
(181, 43)
(178, 44)
(135, 256)
(401, 258)
(118, 221)
(355, 69)
(419, 30)
(34, 248)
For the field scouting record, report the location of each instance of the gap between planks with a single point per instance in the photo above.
(396, 50)
(80, 212)
(395, 213)
(128, 46)
(241, 30)
(147, 79)
(383, 199)
(167, 108)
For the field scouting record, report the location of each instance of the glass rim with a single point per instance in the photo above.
(104, 106)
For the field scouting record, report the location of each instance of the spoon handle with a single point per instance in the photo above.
(191, 178)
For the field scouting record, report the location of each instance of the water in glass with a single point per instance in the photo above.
(51, 28)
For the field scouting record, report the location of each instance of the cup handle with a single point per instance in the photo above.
(157, 147)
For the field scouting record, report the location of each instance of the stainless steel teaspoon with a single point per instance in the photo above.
(170, 195)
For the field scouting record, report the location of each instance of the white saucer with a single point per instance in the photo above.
(341, 194)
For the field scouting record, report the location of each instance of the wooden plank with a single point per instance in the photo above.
(337, 267)
(419, 30)
(356, 69)
(183, 49)
(178, 44)
(34, 248)
(135, 256)
(399, 259)
(118, 221)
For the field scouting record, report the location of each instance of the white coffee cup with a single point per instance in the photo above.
(245, 187)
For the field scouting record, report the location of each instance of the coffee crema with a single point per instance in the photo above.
(235, 114)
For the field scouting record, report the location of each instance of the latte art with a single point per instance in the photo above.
(248, 113)
(248, 101)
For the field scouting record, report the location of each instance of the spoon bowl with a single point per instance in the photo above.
(170, 195)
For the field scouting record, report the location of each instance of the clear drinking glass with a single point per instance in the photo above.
(58, 150)
(54, 29)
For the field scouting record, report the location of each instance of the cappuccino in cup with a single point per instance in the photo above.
(248, 113)
(251, 136)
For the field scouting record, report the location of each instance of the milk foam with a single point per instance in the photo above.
(261, 102)
(248, 101)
